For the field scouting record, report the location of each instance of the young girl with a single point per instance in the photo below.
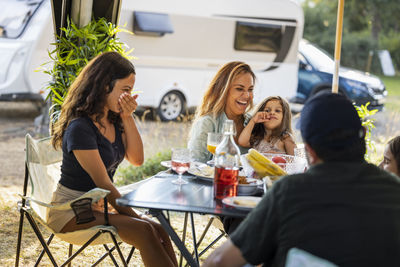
(270, 130)
(391, 156)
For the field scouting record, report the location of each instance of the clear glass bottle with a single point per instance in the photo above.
(227, 159)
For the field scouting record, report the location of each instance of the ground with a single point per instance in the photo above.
(17, 119)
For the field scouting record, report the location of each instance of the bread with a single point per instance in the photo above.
(246, 202)
(245, 181)
(242, 179)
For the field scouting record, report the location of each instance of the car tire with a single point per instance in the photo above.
(171, 106)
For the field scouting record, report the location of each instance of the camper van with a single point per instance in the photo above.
(26, 32)
(178, 44)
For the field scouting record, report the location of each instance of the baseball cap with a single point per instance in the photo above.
(327, 113)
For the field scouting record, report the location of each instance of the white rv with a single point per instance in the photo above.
(178, 45)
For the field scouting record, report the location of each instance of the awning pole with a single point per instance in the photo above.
(338, 45)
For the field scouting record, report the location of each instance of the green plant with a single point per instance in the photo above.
(131, 174)
(368, 122)
(73, 50)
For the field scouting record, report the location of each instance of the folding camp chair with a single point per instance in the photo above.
(42, 172)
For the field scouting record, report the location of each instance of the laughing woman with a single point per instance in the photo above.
(96, 131)
(229, 96)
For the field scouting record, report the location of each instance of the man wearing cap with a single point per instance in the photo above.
(342, 209)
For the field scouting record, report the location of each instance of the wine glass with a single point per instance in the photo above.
(180, 163)
(213, 140)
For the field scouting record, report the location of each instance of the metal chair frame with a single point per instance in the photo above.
(25, 211)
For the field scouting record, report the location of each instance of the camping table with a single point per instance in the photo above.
(158, 194)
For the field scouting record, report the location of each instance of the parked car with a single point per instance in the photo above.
(316, 72)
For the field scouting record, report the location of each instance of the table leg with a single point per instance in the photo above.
(183, 236)
(168, 228)
(194, 238)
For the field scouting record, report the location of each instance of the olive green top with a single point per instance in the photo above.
(199, 131)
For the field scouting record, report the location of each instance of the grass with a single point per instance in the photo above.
(129, 174)
(393, 87)
(158, 139)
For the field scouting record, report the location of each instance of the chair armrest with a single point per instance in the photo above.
(95, 194)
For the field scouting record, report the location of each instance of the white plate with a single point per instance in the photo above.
(204, 172)
(166, 163)
(242, 202)
(249, 189)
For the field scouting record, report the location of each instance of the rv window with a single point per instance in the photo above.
(149, 23)
(257, 37)
(15, 16)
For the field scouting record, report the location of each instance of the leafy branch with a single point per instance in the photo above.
(73, 50)
(365, 114)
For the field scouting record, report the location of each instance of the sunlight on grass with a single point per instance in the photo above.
(393, 87)
(392, 84)
(158, 139)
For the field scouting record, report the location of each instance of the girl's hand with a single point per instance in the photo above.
(127, 104)
(261, 116)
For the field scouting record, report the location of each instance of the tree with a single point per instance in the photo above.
(368, 25)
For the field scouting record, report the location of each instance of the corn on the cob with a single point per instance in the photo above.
(262, 165)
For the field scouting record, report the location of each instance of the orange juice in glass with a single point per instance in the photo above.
(211, 148)
(213, 139)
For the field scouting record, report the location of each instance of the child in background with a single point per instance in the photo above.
(391, 156)
(270, 130)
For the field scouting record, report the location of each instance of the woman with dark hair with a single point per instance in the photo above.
(391, 156)
(96, 131)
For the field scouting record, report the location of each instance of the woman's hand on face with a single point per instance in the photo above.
(127, 104)
(261, 116)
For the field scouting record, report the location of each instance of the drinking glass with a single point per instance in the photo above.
(213, 140)
(180, 163)
(299, 151)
